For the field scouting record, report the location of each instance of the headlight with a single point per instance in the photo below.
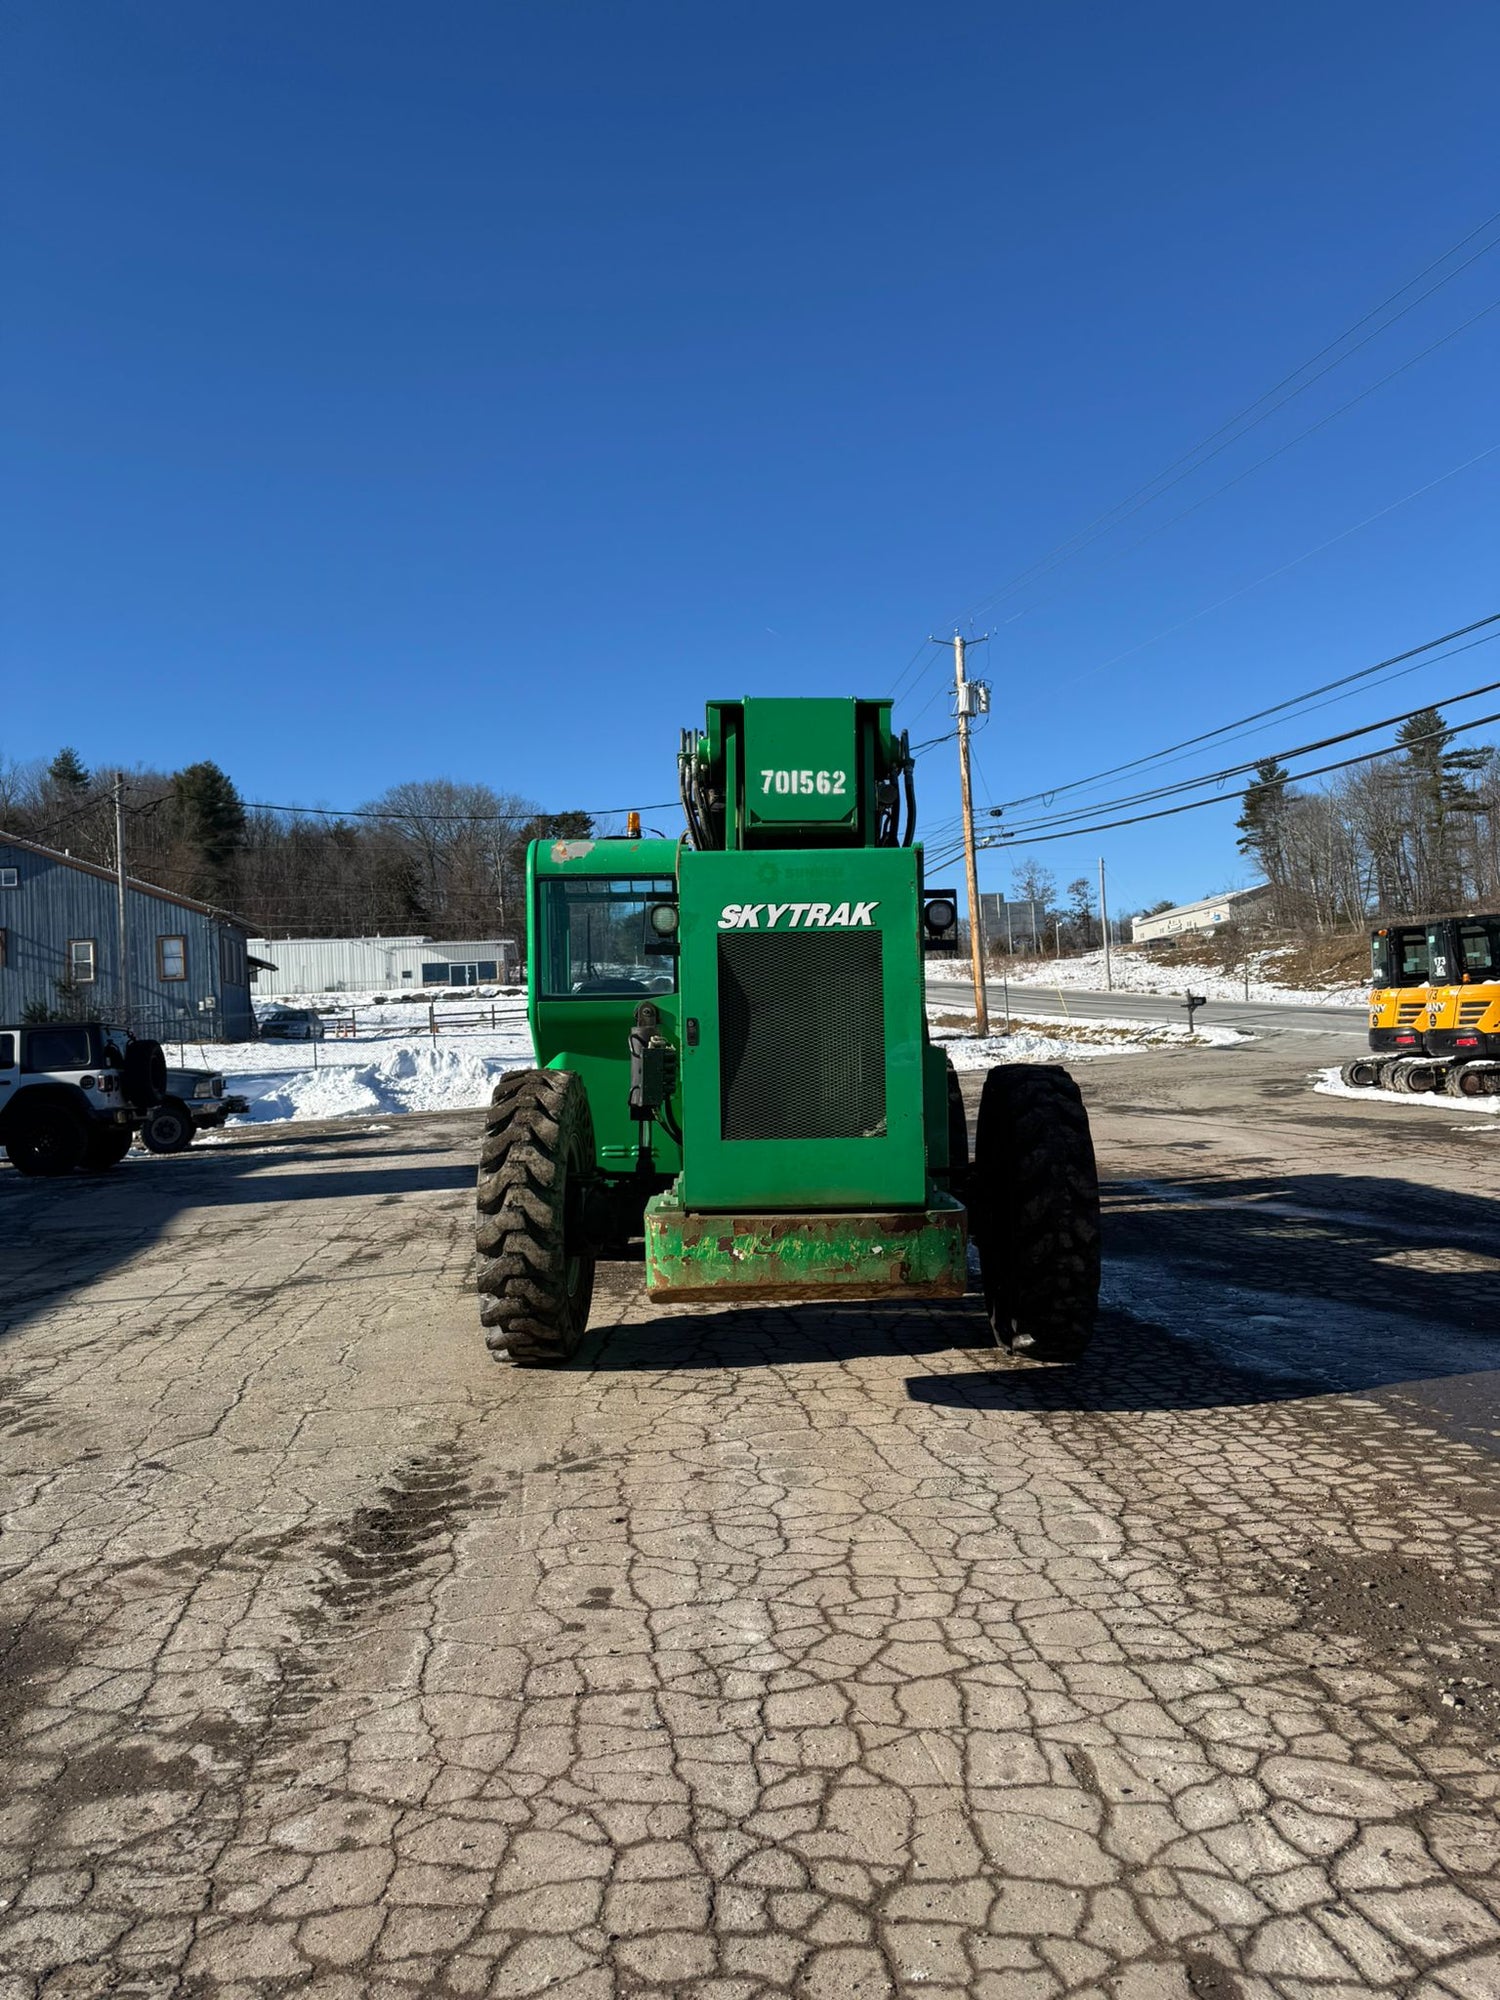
(664, 919)
(939, 914)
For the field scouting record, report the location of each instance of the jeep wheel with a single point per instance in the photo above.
(168, 1129)
(106, 1146)
(47, 1142)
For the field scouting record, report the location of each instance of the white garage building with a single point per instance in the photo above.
(1190, 919)
(288, 966)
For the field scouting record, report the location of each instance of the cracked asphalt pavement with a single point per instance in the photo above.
(801, 1651)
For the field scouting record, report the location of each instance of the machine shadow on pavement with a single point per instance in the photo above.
(57, 1238)
(1374, 1283)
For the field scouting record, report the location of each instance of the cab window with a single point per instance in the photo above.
(597, 935)
(1479, 948)
(7, 1051)
(1413, 959)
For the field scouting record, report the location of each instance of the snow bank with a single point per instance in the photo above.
(408, 1077)
(1137, 972)
(1329, 1083)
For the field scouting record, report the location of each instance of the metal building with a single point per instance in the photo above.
(189, 971)
(287, 966)
(1197, 918)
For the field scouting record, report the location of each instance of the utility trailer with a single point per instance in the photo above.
(733, 1064)
(1434, 1008)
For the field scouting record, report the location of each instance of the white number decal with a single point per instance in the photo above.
(799, 784)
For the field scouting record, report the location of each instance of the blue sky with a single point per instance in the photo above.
(473, 390)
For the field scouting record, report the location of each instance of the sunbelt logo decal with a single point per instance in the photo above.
(797, 916)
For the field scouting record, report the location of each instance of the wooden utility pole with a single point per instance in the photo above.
(1109, 984)
(122, 900)
(971, 698)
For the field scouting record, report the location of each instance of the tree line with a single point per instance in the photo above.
(430, 857)
(1407, 834)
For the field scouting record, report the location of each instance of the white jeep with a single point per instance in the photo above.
(72, 1094)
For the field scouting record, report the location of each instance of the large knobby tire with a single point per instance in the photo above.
(48, 1142)
(536, 1267)
(1034, 1211)
(168, 1128)
(107, 1146)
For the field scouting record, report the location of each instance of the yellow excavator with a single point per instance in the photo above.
(1434, 1008)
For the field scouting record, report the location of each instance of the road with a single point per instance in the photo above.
(1050, 1003)
(814, 1652)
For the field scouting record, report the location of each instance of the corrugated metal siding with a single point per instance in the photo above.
(53, 903)
(369, 965)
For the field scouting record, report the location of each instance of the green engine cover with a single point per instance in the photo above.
(802, 1030)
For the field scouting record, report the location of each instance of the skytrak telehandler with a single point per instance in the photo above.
(734, 1063)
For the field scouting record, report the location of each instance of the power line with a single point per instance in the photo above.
(1232, 798)
(399, 813)
(1238, 770)
(1218, 777)
(1048, 793)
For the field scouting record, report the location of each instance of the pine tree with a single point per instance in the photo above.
(67, 772)
(1262, 829)
(1441, 795)
(210, 822)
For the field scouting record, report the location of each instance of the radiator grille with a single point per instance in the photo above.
(1472, 1012)
(802, 1035)
(1408, 1010)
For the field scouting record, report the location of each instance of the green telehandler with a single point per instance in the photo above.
(733, 1063)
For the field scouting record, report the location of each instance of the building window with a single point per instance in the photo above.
(171, 958)
(81, 957)
(10, 878)
(476, 973)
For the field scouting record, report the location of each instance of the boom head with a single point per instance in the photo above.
(800, 772)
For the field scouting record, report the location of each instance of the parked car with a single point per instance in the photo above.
(194, 1100)
(290, 1024)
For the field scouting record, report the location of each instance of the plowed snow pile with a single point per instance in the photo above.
(405, 1078)
(1331, 1084)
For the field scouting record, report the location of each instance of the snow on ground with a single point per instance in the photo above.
(1084, 1040)
(1330, 1084)
(394, 1064)
(1138, 972)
